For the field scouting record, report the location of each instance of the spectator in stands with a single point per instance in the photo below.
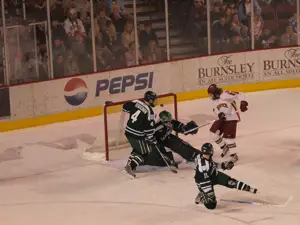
(78, 47)
(229, 12)
(268, 39)
(58, 47)
(103, 62)
(130, 55)
(73, 25)
(119, 4)
(119, 61)
(221, 30)
(258, 26)
(293, 22)
(153, 53)
(128, 35)
(57, 12)
(215, 14)
(59, 67)
(238, 28)
(289, 38)
(146, 35)
(236, 44)
(244, 11)
(71, 65)
(40, 10)
(197, 26)
(118, 19)
(101, 20)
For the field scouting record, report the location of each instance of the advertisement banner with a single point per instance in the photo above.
(69, 94)
(280, 63)
(44, 98)
(226, 69)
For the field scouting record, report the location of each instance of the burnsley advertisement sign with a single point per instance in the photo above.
(234, 68)
(286, 64)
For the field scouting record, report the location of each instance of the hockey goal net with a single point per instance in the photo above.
(111, 136)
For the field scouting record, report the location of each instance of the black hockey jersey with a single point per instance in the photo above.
(205, 169)
(141, 122)
(162, 131)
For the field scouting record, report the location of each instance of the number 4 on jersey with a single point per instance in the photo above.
(135, 116)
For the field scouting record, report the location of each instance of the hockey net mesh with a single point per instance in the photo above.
(111, 137)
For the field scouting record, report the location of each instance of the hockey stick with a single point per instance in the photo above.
(260, 203)
(196, 128)
(173, 170)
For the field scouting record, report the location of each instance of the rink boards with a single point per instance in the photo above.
(83, 96)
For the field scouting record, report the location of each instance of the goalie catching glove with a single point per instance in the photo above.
(190, 128)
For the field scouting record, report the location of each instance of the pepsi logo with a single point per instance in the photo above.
(76, 91)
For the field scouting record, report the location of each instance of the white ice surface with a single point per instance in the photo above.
(43, 180)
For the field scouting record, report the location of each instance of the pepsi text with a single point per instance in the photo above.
(119, 84)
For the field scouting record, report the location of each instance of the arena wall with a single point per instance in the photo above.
(83, 96)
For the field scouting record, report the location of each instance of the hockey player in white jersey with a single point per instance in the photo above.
(223, 130)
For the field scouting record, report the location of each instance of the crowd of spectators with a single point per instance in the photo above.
(275, 23)
(114, 34)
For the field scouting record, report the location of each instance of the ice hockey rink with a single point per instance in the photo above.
(44, 180)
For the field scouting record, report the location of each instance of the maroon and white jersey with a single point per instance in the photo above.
(73, 26)
(227, 104)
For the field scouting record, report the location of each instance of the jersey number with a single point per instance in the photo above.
(135, 116)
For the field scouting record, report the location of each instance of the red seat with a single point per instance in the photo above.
(272, 25)
(285, 11)
(267, 13)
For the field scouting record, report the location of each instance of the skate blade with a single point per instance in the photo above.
(127, 174)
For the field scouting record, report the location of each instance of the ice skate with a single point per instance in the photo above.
(234, 158)
(128, 171)
(253, 190)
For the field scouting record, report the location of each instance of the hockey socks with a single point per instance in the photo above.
(245, 187)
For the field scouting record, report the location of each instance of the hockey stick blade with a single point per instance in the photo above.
(196, 128)
(173, 170)
(260, 203)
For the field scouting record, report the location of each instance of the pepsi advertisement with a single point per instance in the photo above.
(4, 103)
(77, 91)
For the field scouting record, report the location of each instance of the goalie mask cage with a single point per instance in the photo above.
(113, 136)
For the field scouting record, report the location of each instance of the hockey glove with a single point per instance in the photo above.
(191, 128)
(151, 140)
(244, 106)
(227, 165)
(222, 116)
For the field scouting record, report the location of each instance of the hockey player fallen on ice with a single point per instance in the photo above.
(163, 132)
(223, 130)
(207, 176)
(140, 130)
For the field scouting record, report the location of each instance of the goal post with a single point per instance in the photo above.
(114, 123)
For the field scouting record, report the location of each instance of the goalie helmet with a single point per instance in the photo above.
(165, 116)
(214, 91)
(150, 97)
(208, 149)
